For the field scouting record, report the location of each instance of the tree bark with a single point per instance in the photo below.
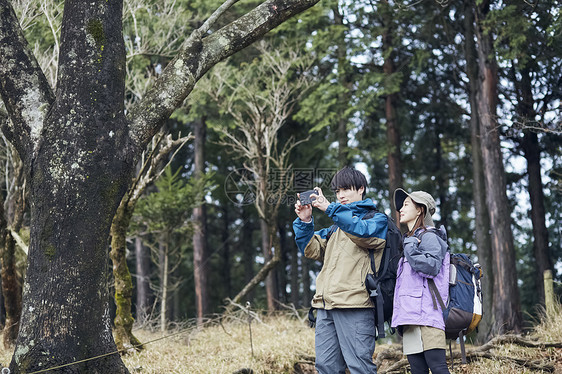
(481, 220)
(80, 151)
(506, 306)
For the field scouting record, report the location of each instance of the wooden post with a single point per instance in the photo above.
(548, 292)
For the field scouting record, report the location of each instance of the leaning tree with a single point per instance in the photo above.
(80, 148)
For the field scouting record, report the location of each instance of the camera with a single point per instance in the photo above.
(305, 196)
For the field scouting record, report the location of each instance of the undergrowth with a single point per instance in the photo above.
(274, 344)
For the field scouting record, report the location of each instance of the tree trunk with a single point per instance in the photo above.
(123, 330)
(142, 257)
(12, 217)
(282, 275)
(481, 219)
(531, 149)
(249, 254)
(11, 287)
(392, 126)
(295, 299)
(226, 257)
(344, 97)
(541, 251)
(270, 281)
(506, 306)
(163, 284)
(78, 174)
(200, 266)
(442, 177)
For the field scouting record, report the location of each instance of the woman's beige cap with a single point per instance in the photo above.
(419, 197)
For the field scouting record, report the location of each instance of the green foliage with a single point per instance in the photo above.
(167, 209)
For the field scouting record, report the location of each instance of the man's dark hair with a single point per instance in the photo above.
(349, 178)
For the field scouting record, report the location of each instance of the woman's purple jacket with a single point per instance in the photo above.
(413, 304)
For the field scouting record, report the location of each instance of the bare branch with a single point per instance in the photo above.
(199, 55)
(19, 241)
(213, 18)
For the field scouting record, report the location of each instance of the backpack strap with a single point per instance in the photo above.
(463, 351)
(379, 302)
(379, 309)
(435, 295)
(332, 230)
(311, 317)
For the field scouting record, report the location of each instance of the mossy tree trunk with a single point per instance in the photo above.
(79, 151)
(11, 286)
(11, 218)
(150, 170)
(123, 330)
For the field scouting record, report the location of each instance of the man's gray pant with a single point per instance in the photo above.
(345, 338)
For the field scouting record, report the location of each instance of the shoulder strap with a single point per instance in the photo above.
(332, 230)
(435, 295)
(385, 256)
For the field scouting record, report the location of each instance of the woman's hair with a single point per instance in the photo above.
(419, 221)
(349, 178)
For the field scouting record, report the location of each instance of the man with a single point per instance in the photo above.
(345, 322)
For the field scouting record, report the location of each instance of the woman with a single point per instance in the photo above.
(416, 312)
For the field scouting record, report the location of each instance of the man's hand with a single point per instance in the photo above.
(304, 212)
(321, 202)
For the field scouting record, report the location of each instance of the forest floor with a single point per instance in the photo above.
(285, 344)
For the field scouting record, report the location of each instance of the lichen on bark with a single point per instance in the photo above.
(95, 29)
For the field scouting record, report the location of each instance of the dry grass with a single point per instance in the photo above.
(278, 342)
(547, 330)
(281, 341)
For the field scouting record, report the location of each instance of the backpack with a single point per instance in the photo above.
(463, 311)
(380, 285)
